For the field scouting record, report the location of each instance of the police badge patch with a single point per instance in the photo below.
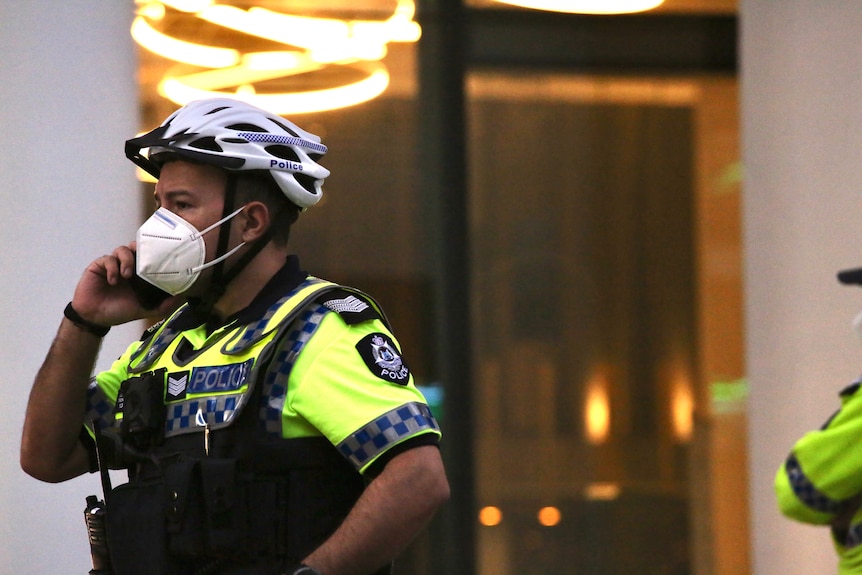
(383, 359)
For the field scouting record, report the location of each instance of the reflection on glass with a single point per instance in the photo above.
(586, 303)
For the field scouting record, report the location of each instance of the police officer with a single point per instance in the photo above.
(268, 421)
(820, 481)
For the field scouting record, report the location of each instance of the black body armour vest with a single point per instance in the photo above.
(244, 503)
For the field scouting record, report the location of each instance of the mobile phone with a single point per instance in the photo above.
(149, 295)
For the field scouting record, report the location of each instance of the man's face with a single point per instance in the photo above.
(194, 192)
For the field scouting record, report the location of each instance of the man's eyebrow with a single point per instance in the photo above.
(172, 195)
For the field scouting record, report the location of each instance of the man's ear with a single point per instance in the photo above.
(256, 221)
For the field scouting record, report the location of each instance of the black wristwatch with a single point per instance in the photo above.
(302, 569)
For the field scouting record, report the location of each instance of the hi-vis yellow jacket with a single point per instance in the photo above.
(246, 444)
(820, 482)
(326, 375)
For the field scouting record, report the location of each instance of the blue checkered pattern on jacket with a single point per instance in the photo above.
(215, 410)
(99, 407)
(388, 429)
(805, 490)
(275, 387)
(253, 332)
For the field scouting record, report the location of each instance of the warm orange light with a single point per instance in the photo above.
(602, 491)
(682, 405)
(597, 409)
(549, 516)
(309, 46)
(490, 516)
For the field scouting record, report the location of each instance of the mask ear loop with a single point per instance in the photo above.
(249, 255)
(222, 277)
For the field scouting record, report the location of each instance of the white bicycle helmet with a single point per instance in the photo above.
(235, 135)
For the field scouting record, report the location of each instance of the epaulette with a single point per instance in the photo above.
(352, 305)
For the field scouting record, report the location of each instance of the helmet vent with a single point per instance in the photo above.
(285, 128)
(216, 110)
(307, 182)
(206, 144)
(246, 128)
(283, 152)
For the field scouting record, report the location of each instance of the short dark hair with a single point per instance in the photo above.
(258, 185)
(254, 186)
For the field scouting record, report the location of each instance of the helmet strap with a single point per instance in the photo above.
(222, 277)
(218, 285)
(223, 238)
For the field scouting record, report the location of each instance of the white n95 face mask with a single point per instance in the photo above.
(171, 251)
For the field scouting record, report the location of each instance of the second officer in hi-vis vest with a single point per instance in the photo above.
(268, 421)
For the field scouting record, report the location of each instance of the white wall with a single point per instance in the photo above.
(68, 101)
(802, 136)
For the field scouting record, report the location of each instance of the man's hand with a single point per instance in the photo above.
(392, 510)
(50, 449)
(105, 296)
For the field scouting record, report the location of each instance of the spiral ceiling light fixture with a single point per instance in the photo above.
(287, 63)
